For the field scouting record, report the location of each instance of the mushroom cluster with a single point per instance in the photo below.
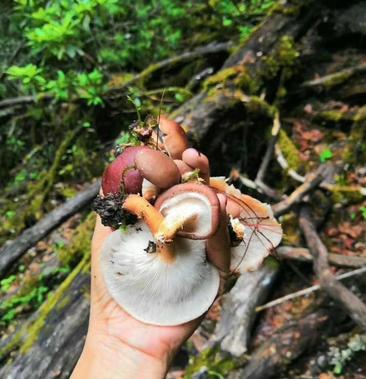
(177, 230)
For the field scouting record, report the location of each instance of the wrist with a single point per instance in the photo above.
(117, 360)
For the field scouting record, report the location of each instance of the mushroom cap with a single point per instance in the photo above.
(195, 201)
(262, 232)
(157, 168)
(122, 173)
(154, 291)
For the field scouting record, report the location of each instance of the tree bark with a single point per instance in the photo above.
(283, 347)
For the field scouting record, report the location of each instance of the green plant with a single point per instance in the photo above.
(363, 212)
(325, 155)
(33, 296)
(340, 357)
(6, 283)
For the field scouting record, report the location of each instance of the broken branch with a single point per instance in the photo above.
(350, 302)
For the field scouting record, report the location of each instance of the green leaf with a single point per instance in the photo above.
(325, 155)
(363, 212)
(10, 214)
(227, 22)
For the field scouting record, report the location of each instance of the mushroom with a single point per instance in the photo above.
(187, 201)
(251, 221)
(155, 274)
(122, 174)
(138, 169)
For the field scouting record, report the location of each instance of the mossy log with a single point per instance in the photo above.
(11, 252)
(51, 340)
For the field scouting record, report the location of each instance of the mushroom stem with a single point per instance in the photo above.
(140, 207)
(170, 226)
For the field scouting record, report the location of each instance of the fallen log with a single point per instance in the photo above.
(283, 347)
(233, 330)
(207, 110)
(11, 252)
(51, 340)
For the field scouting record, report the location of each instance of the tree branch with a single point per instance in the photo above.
(15, 249)
(351, 303)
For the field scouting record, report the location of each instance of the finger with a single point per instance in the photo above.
(182, 167)
(218, 246)
(173, 136)
(195, 159)
(233, 209)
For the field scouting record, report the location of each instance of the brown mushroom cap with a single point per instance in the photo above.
(157, 168)
(173, 136)
(196, 199)
(262, 232)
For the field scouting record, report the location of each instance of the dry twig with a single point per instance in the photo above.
(351, 303)
(308, 290)
(302, 254)
(312, 180)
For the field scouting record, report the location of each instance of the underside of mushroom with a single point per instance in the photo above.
(182, 229)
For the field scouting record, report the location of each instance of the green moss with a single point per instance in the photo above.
(287, 10)
(248, 84)
(221, 77)
(256, 105)
(291, 230)
(68, 192)
(285, 57)
(334, 116)
(360, 115)
(28, 334)
(32, 332)
(336, 79)
(213, 361)
(79, 247)
(30, 208)
(346, 194)
(290, 152)
(222, 95)
(80, 242)
(355, 150)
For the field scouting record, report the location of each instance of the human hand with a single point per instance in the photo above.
(119, 346)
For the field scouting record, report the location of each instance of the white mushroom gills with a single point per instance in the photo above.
(152, 290)
(194, 208)
(257, 244)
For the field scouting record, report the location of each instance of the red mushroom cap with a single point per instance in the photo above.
(122, 173)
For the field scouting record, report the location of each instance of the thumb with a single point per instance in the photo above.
(218, 246)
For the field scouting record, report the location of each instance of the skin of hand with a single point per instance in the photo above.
(119, 346)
